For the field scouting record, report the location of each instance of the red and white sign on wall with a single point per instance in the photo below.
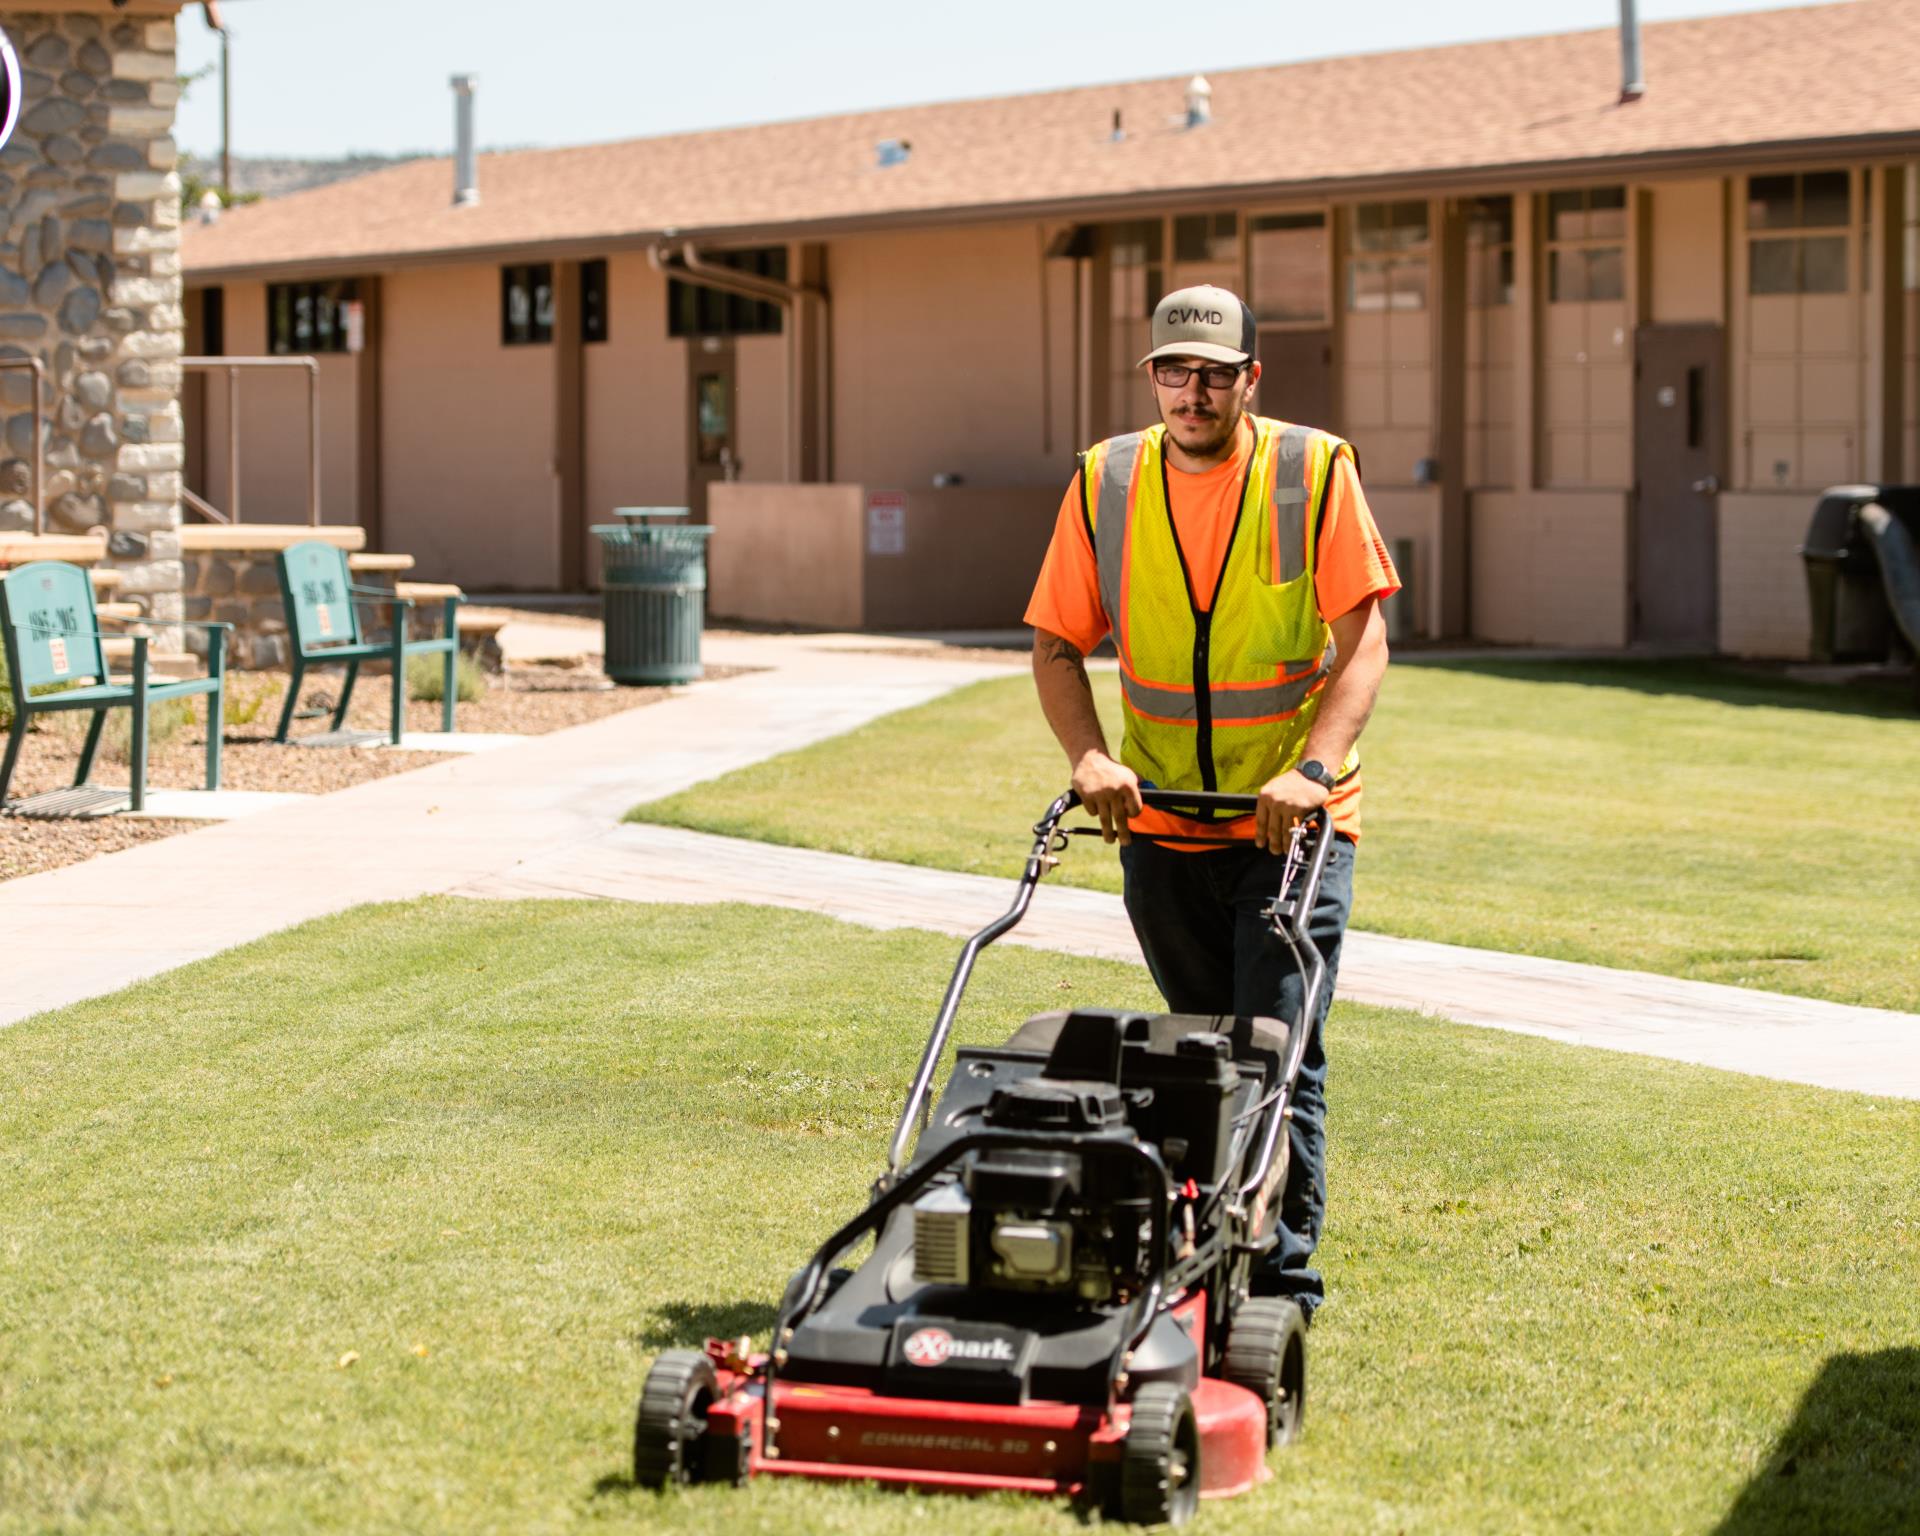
(886, 522)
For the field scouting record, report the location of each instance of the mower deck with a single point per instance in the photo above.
(850, 1434)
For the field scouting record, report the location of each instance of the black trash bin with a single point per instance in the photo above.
(653, 595)
(1845, 599)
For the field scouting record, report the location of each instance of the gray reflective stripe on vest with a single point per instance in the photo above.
(1290, 501)
(1230, 705)
(1110, 525)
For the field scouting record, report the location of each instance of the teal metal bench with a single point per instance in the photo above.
(52, 636)
(323, 629)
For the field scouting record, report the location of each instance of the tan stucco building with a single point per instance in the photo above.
(1596, 355)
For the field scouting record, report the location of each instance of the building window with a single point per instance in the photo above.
(1206, 249)
(1136, 281)
(693, 310)
(213, 322)
(1587, 245)
(1287, 268)
(1586, 436)
(1804, 349)
(1780, 258)
(1386, 384)
(593, 299)
(1491, 340)
(526, 304)
(308, 317)
(1388, 269)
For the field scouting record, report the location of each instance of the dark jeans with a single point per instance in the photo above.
(1197, 916)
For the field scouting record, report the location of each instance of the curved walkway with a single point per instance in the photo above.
(541, 819)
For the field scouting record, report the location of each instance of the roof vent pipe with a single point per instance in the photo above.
(466, 172)
(1200, 101)
(1119, 132)
(1633, 84)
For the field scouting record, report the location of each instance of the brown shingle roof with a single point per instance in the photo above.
(1830, 75)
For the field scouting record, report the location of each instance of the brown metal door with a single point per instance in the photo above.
(1679, 424)
(1296, 377)
(713, 411)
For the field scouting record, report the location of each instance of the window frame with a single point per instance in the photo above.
(1800, 234)
(1388, 257)
(535, 332)
(1586, 245)
(694, 310)
(282, 338)
(596, 320)
(1328, 265)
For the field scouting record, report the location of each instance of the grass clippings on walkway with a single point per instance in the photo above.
(1691, 820)
(376, 1224)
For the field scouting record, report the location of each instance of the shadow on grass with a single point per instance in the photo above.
(1723, 682)
(1849, 1463)
(688, 1324)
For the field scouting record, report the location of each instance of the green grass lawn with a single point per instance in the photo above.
(1691, 820)
(375, 1225)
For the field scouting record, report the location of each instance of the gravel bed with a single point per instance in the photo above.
(524, 701)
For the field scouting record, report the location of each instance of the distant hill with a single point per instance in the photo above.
(275, 178)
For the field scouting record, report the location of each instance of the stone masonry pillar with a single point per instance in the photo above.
(90, 283)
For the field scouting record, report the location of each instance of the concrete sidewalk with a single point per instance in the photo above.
(1867, 1050)
(91, 928)
(541, 818)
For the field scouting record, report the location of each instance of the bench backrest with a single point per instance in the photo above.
(52, 631)
(317, 591)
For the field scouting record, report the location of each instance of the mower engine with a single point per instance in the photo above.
(1033, 1219)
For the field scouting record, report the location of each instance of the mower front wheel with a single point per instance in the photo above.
(670, 1430)
(1267, 1354)
(1160, 1458)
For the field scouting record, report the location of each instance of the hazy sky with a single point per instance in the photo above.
(323, 79)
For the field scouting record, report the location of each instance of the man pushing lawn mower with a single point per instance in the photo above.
(1089, 1271)
(1235, 563)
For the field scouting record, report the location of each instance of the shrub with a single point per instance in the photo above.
(248, 695)
(424, 674)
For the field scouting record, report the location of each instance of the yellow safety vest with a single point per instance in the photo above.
(1221, 700)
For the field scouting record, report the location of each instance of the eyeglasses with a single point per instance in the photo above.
(1213, 375)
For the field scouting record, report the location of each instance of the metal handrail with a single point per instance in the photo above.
(233, 366)
(204, 507)
(39, 479)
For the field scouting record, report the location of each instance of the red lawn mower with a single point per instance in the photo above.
(1060, 1296)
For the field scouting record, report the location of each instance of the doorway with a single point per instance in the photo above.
(1296, 377)
(1679, 446)
(713, 401)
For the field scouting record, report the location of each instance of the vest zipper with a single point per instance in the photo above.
(1203, 620)
(1203, 702)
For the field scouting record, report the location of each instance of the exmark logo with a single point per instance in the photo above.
(935, 1346)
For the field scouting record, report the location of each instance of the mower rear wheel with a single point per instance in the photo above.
(1267, 1354)
(670, 1430)
(1160, 1458)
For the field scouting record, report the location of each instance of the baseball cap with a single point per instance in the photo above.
(1203, 321)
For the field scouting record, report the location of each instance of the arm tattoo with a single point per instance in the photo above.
(1055, 651)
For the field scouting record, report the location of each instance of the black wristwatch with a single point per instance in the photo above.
(1315, 771)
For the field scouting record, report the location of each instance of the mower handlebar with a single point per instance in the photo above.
(1187, 800)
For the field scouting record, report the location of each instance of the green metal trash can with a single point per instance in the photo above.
(653, 593)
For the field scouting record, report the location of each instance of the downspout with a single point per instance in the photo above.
(686, 264)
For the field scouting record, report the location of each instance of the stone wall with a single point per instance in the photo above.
(90, 284)
(241, 588)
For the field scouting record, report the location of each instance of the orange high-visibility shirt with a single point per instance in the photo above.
(1351, 565)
